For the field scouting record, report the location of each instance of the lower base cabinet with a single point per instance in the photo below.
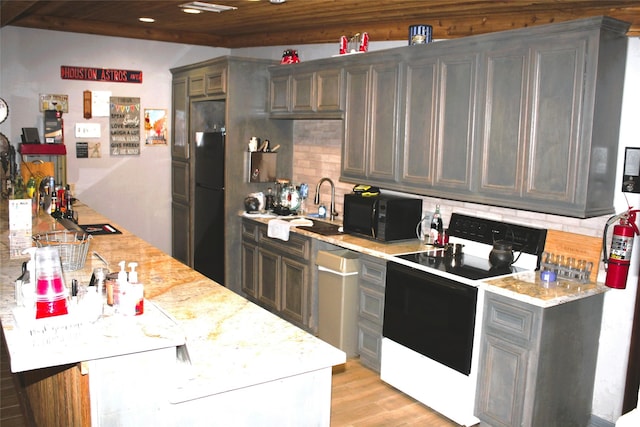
(279, 275)
(537, 365)
(372, 278)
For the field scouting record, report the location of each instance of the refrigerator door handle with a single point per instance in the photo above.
(199, 185)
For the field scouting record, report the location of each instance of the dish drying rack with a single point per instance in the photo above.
(72, 247)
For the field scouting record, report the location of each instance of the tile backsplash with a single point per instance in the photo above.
(317, 151)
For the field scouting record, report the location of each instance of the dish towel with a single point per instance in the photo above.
(278, 229)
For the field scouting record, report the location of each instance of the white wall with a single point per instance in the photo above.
(619, 304)
(135, 191)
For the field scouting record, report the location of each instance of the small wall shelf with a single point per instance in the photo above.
(262, 166)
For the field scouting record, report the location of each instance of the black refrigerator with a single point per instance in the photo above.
(208, 256)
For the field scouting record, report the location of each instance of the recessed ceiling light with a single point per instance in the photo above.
(146, 19)
(189, 10)
(277, 1)
(207, 7)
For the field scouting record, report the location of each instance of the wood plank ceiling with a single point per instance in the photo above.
(293, 22)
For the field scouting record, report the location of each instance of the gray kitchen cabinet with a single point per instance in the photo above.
(456, 109)
(551, 112)
(237, 90)
(284, 276)
(372, 112)
(279, 92)
(371, 310)
(437, 144)
(180, 180)
(208, 80)
(269, 279)
(249, 263)
(278, 275)
(527, 119)
(249, 268)
(420, 124)
(537, 365)
(303, 92)
(179, 114)
(502, 159)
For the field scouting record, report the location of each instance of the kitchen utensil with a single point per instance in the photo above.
(502, 253)
(251, 204)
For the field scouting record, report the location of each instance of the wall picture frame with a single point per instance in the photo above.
(155, 126)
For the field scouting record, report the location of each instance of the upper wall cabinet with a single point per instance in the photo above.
(371, 121)
(303, 92)
(548, 137)
(208, 81)
(526, 119)
(439, 98)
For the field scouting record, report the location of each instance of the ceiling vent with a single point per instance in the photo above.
(206, 7)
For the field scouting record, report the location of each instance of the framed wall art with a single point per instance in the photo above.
(124, 123)
(155, 126)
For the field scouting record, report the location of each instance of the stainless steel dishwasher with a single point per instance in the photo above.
(338, 299)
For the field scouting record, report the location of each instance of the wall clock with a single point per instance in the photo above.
(4, 110)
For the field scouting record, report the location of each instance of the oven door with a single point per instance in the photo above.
(431, 315)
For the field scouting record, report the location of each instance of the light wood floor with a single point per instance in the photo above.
(359, 398)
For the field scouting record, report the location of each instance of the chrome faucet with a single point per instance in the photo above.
(332, 207)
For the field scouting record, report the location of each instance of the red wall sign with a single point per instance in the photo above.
(100, 74)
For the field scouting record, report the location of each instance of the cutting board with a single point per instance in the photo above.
(577, 246)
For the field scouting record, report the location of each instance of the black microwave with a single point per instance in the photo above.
(382, 217)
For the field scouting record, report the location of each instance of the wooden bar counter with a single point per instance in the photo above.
(199, 355)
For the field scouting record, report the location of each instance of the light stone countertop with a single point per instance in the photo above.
(231, 342)
(523, 286)
(358, 244)
(528, 287)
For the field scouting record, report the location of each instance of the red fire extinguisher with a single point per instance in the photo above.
(621, 245)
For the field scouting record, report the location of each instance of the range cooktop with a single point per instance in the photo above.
(467, 266)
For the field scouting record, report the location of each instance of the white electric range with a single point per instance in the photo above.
(434, 308)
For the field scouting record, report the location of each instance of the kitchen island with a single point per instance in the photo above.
(199, 355)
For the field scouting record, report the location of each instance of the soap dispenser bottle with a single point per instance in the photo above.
(136, 289)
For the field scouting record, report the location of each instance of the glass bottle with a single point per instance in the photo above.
(69, 212)
(269, 202)
(31, 187)
(436, 227)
